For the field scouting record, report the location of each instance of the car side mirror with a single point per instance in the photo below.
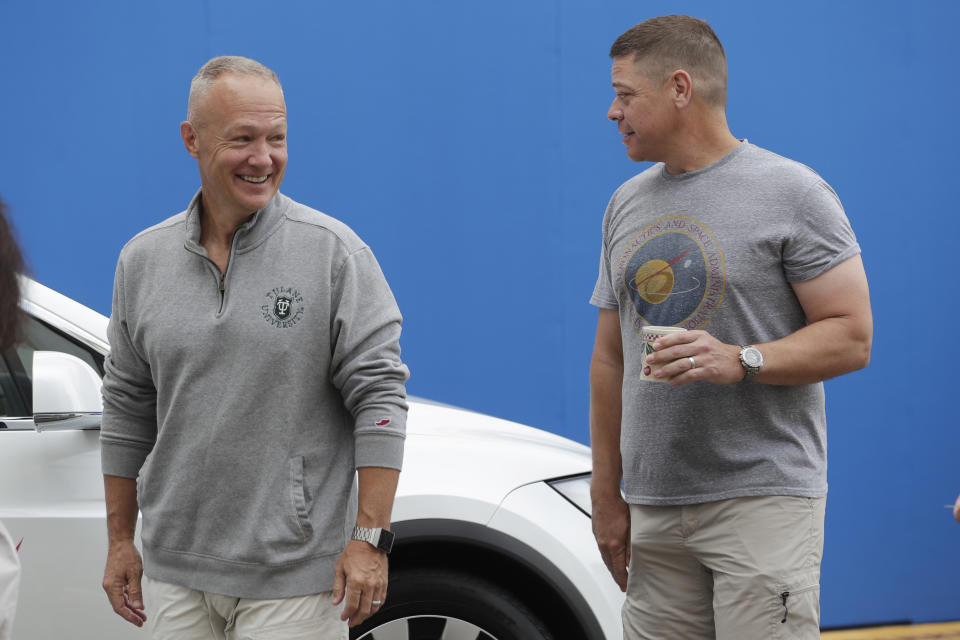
(66, 393)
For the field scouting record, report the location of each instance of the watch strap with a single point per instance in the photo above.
(377, 537)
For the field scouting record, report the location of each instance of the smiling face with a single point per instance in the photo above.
(239, 139)
(643, 110)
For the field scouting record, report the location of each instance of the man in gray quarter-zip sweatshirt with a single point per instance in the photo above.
(254, 372)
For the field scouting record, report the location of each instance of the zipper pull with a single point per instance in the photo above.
(223, 277)
(784, 596)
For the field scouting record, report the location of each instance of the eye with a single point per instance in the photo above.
(242, 139)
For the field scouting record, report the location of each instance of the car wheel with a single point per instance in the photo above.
(437, 604)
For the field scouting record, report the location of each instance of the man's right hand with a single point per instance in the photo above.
(121, 581)
(611, 528)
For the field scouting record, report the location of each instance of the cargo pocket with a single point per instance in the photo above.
(797, 607)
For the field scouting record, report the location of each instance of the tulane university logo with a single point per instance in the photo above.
(283, 307)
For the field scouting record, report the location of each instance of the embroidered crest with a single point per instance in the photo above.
(284, 307)
(382, 422)
(281, 308)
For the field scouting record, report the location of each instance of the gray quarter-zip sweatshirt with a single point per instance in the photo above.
(244, 403)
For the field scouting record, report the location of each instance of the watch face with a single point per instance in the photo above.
(385, 543)
(752, 357)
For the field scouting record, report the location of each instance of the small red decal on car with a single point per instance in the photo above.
(19, 543)
(382, 422)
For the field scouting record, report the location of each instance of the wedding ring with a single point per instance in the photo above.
(693, 363)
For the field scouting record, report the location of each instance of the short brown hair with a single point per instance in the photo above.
(667, 43)
(11, 266)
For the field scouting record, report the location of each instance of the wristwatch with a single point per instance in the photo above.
(381, 539)
(751, 360)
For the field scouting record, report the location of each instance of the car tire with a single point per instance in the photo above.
(423, 604)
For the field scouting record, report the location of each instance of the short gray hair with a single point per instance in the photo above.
(216, 67)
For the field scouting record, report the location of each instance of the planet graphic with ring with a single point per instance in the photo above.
(654, 281)
(668, 278)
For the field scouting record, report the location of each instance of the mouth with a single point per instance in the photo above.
(254, 179)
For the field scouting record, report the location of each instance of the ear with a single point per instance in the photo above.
(681, 88)
(189, 135)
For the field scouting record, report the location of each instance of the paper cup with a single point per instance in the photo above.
(649, 335)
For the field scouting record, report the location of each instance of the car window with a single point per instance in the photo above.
(16, 365)
(11, 400)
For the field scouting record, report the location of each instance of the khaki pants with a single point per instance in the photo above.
(739, 569)
(9, 582)
(179, 613)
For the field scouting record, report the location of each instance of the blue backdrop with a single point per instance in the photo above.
(467, 143)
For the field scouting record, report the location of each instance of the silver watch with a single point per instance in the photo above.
(751, 360)
(381, 539)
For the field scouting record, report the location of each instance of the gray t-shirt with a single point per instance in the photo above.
(716, 249)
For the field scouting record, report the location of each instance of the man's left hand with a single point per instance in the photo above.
(713, 361)
(360, 581)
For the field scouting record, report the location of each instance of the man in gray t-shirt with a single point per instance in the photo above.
(723, 468)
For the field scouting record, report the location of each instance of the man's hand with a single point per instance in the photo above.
(360, 580)
(956, 509)
(715, 361)
(121, 578)
(121, 581)
(611, 528)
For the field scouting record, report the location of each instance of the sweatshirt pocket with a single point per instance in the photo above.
(293, 510)
(276, 521)
(307, 516)
(298, 510)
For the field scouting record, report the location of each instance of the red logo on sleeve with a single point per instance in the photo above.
(382, 422)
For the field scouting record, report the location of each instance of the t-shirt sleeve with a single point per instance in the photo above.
(821, 236)
(604, 295)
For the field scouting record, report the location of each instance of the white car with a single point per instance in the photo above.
(492, 518)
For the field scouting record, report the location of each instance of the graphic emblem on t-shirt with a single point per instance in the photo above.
(671, 274)
(283, 308)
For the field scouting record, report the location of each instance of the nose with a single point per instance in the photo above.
(614, 113)
(260, 154)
